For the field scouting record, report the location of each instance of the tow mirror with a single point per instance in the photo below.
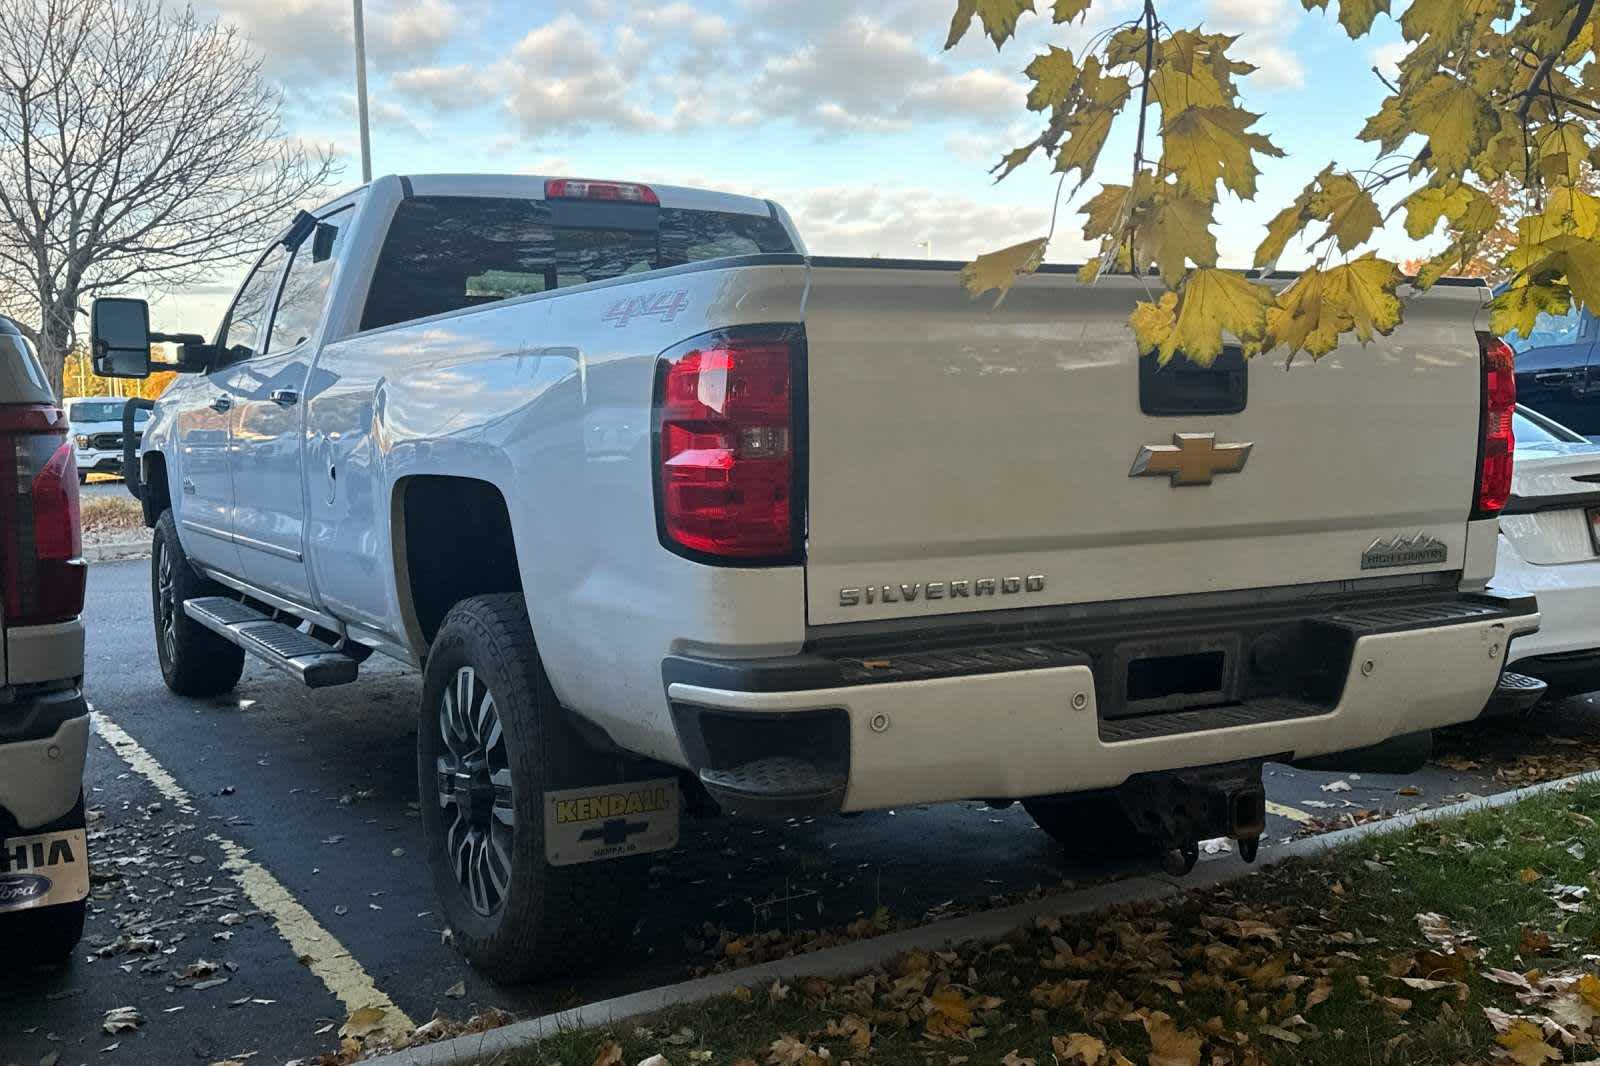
(119, 337)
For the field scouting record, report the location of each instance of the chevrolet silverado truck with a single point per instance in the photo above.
(667, 509)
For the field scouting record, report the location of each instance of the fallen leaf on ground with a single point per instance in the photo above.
(1524, 1044)
(122, 1020)
(457, 990)
(1170, 1046)
(363, 1022)
(1078, 1047)
(610, 1054)
(1336, 786)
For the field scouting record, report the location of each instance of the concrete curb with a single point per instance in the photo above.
(850, 959)
(128, 549)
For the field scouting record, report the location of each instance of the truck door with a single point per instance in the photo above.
(204, 495)
(268, 418)
(1554, 370)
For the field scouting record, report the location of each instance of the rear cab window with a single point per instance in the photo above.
(447, 253)
(22, 379)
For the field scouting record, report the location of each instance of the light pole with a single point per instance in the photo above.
(361, 95)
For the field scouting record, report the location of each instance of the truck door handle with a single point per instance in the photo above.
(284, 397)
(221, 403)
(1553, 377)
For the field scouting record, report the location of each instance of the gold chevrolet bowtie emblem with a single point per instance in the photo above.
(1191, 459)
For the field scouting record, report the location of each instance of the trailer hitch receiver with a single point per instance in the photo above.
(1179, 808)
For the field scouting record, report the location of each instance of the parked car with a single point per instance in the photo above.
(1558, 374)
(96, 426)
(657, 500)
(1550, 548)
(44, 722)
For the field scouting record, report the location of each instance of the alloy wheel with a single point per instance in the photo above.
(166, 603)
(475, 792)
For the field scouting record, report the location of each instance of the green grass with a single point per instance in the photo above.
(1347, 922)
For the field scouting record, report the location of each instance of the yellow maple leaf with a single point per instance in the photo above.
(1348, 209)
(1053, 74)
(1571, 210)
(1178, 231)
(1067, 10)
(1356, 16)
(1210, 303)
(1363, 292)
(1433, 18)
(609, 1054)
(1562, 152)
(1429, 204)
(1152, 322)
(1086, 136)
(1204, 145)
(999, 18)
(1517, 309)
(1455, 119)
(1078, 1048)
(1000, 270)
(1524, 1044)
(1105, 211)
(1012, 160)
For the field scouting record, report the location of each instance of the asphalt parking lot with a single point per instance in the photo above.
(258, 868)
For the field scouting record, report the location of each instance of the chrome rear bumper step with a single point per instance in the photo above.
(310, 661)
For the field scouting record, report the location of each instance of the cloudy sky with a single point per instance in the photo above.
(845, 111)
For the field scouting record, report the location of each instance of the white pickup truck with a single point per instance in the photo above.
(660, 503)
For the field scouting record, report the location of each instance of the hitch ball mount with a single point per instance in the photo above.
(1179, 808)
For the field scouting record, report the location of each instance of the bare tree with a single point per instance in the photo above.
(138, 144)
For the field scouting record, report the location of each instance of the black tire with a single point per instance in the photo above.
(194, 661)
(1092, 826)
(543, 920)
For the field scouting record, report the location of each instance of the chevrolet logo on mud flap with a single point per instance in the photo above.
(610, 821)
(616, 831)
(1191, 459)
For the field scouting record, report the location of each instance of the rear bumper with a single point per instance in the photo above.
(43, 745)
(1568, 594)
(1031, 717)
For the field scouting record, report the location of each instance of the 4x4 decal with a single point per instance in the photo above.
(663, 306)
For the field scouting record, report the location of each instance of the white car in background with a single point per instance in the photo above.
(1550, 548)
(96, 427)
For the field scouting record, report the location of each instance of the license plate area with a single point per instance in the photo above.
(1152, 677)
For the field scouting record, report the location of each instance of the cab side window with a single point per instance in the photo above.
(305, 286)
(244, 331)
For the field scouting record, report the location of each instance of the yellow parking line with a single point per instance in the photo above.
(1294, 814)
(319, 949)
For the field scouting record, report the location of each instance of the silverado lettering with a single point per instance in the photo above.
(938, 590)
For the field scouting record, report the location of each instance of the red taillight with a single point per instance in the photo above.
(618, 191)
(41, 543)
(725, 428)
(1499, 442)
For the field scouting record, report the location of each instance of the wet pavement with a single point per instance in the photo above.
(317, 791)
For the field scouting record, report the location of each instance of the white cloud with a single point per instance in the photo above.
(1262, 26)
(1387, 57)
(305, 40)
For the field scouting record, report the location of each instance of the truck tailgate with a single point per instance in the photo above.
(968, 459)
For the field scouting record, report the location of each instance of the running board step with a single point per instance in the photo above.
(776, 787)
(1514, 694)
(302, 657)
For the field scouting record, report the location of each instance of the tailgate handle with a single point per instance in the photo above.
(1183, 387)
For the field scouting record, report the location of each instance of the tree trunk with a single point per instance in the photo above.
(55, 340)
